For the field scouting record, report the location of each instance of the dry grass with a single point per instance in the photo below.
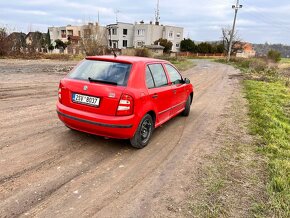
(35, 56)
(231, 184)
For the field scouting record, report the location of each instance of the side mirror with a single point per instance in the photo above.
(186, 81)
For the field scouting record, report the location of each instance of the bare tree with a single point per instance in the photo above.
(226, 35)
(3, 43)
(94, 40)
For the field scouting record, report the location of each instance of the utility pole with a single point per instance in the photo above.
(236, 8)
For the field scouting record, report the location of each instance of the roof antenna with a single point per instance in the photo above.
(157, 14)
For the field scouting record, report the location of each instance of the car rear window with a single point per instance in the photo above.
(103, 71)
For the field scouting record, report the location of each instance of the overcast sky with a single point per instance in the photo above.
(258, 21)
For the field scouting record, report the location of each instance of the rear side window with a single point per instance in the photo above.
(158, 74)
(173, 74)
(103, 71)
(149, 79)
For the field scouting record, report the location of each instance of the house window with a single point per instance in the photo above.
(140, 32)
(178, 35)
(114, 31)
(125, 32)
(63, 34)
(125, 43)
(170, 35)
(177, 45)
(70, 33)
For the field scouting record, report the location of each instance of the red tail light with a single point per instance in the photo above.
(126, 105)
(59, 92)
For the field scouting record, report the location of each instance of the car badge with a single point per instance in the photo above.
(112, 95)
(85, 88)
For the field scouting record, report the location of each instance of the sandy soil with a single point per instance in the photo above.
(47, 170)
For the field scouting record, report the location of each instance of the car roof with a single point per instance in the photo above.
(125, 59)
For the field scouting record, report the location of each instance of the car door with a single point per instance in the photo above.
(178, 90)
(159, 91)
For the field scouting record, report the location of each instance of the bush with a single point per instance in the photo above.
(258, 64)
(165, 43)
(142, 52)
(274, 56)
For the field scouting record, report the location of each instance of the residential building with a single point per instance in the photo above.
(147, 34)
(75, 33)
(246, 51)
(60, 33)
(36, 41)
(120, 35)
(16, 41)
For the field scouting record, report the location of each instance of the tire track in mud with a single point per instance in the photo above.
(47, 183)
(175, 155)
(110, 197)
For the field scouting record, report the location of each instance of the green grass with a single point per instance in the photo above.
(268, 95)
(269, 104)
(183, 64)
(285, 61)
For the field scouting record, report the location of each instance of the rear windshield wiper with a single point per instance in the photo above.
(102, 81)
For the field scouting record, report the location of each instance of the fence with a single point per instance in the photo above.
(189, 54)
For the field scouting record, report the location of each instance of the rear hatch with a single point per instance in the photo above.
(95, 86)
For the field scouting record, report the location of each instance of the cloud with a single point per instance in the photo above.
(202, 20)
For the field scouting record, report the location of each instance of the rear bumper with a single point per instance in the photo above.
(122, 127)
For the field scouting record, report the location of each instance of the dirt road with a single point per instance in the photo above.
(47, 170)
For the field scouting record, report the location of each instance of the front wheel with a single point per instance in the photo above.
(143, 133)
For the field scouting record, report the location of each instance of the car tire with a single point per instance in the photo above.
(143, 132)
(187, 107)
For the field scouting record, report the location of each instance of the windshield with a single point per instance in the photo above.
(98, 71)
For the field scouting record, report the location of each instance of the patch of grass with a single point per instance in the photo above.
(269, 104)
(268, 95)
(183, 64)
(231, 184)
(285, 61)
(180, 63)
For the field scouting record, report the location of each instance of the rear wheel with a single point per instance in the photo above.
(187, 107)
(143, 133)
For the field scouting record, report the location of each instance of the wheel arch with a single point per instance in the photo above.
(153, 115)
(191, 95)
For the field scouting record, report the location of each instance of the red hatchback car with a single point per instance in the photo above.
(122, 97)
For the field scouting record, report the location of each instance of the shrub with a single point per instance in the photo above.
(142, 52)
(274, 56)
(165, 43)
(258, 64)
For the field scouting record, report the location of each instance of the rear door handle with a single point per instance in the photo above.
(155, 96)
(174, 91)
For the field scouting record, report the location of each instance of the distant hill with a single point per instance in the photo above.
(262, 49)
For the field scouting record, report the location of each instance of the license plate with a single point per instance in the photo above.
(84, 99)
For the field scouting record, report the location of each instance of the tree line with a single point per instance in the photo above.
(188, 45)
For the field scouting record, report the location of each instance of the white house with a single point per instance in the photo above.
(123, 35)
